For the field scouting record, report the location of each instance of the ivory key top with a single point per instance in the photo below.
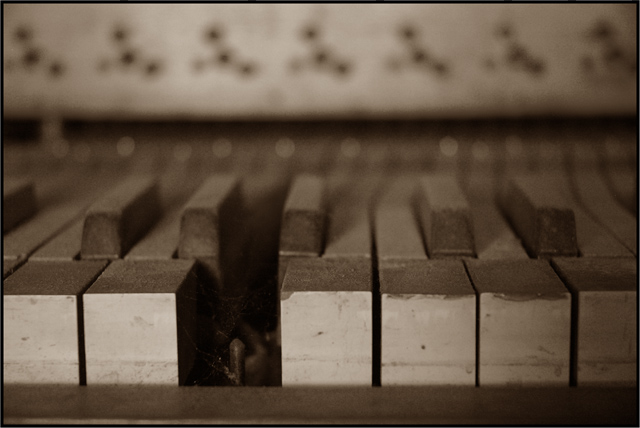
(326, 307)
(43, 328)
(604, 320)
(428, 333)
(524, 323)
(140, 323)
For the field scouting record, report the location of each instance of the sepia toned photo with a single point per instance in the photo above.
(320, 213)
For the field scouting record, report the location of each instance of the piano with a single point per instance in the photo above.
(320, 214)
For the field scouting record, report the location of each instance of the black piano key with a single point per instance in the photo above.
(303, 218)
(115, 222)
(445, 217)
(210, 222)
(541, 217)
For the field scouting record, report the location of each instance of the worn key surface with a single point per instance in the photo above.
(326, 322)
(47, 223)
(445, 216)
(396, 228)
(161, 242)
(621, 170)
(18, 202)
(604, 292)
(140, 323)
(62, 199)
(540, 215)
(115, 222)
(67, 244)
(598, 200)
(479, 177)
(524, 323)
(428, 333)
(592, 239)
(43, 327)
(348, 225)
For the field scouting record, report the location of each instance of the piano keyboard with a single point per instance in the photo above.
(455, 262)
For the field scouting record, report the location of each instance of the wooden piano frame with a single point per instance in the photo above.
(66, 405)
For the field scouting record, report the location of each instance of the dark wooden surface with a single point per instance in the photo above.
(41, 404)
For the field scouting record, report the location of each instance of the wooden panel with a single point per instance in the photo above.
(359, 406)
(156, 60)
